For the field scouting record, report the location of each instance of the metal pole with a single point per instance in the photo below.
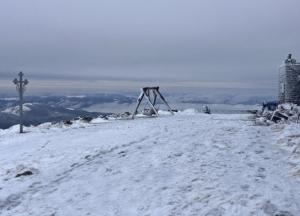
(20, 84)
(21, 101)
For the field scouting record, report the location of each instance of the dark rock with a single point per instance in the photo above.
(125, 114)
(26, 173)
(283, 213)
(87, 119)
(68, 122)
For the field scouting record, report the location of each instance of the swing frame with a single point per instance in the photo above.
(146, 93)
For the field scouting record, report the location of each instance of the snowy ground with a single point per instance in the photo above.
(188, 164)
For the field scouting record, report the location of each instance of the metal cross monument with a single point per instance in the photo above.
(20, 86)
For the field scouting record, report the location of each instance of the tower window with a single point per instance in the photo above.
(282, 87)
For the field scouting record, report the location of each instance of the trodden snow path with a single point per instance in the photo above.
(194, 164)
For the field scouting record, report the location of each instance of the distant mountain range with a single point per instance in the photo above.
(39, 109)
(36, 113)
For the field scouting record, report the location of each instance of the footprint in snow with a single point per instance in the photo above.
(261, 176)
(255, 196)
(216, 212)
(10, 202)
(250, 164)
(195, 179)
(272, 210)
(245, 187)
(258, 151)
(179, 154)
(261, 169)
(122, 153)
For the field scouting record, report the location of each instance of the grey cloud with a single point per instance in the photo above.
(160, 40)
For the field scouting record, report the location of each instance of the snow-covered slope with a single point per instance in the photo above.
(36, 113)
(16, 110)
(187, 164)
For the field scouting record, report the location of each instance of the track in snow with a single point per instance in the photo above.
(183, 165)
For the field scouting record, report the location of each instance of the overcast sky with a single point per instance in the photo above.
(127, 43)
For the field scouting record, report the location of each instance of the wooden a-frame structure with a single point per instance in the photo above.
(151, 93)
